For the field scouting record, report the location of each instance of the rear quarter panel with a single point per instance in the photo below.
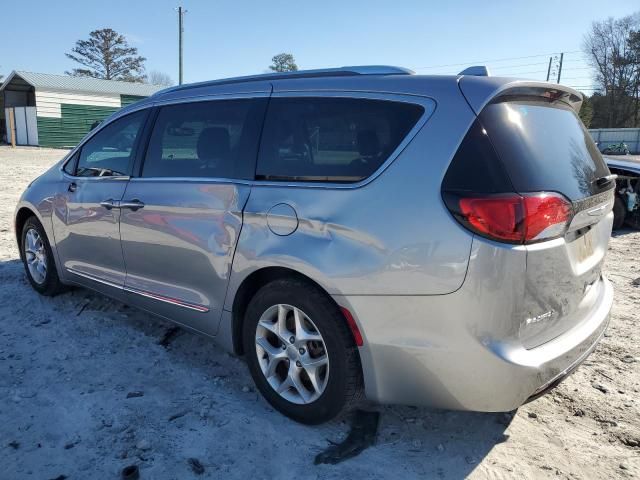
(390, 235)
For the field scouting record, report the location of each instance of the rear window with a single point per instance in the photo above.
(331, 139)
(476, 167)
(544, 147)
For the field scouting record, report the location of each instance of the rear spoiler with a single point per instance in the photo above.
(479, 91)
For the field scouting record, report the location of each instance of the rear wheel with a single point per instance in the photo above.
(37, 258)
(300, 352)
(619, 213)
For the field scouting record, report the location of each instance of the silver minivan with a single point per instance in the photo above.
(359, 231)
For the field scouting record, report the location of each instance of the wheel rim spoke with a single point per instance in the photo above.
(263, 343)
(302, 333)
(283, 331)
(285, 385)
(313, 368)
(306, 396)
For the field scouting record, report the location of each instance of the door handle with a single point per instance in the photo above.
(109, 204)
(72, 187)
(134, 204)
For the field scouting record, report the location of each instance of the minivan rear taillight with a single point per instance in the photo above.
(511, 217)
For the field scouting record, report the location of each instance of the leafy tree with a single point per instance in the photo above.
(159, 78)
(283, 62)
(106, 54)
(586, 111)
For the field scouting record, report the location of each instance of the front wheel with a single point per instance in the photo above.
(37, 258)
(300, 351)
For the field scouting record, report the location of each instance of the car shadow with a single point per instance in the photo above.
(101, 359)
(623, 231)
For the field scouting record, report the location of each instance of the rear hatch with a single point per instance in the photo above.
(545, 152)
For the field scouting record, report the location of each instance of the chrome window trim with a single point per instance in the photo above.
(143, 293)
(428, 103)
(113, 178)
(211, 97)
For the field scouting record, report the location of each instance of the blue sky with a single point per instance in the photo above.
(228, 38)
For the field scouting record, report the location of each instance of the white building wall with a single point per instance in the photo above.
(48, 101)
(606, 136)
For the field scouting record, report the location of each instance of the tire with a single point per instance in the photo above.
(619, 213)
(48, 283)
(342, 379)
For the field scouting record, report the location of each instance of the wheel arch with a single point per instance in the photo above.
(250, 286)
(22, 214)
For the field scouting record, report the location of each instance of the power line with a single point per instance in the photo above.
(574, 78)
(490, 61)
(521, 65)
(521, 73)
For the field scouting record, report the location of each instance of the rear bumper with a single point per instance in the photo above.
(462, 351)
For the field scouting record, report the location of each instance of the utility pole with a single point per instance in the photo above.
(560, 66)
(12, 127)
(181, 13)
(549, 69)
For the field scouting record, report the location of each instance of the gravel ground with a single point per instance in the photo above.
(86, 389)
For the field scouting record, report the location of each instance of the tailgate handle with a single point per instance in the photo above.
(602, 181)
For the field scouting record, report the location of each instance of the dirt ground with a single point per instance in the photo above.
(86, 389)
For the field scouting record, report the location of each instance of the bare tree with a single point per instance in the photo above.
(634, 45)
(159, 78)
(107, 54)
(283, 62)
(609, 49)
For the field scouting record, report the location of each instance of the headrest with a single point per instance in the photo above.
(214, 143)
(368, 143)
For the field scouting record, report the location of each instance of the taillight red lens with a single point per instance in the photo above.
(516, 218)
(498, 217)
(547, 216)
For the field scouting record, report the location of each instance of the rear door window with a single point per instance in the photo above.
(544, 147)
(331, 139)
(217, 139)
(110, 151)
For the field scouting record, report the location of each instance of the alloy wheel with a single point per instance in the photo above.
(35, 255)
(292, 354)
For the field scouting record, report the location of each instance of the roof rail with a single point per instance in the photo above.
(325, 72)
(476, 71)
